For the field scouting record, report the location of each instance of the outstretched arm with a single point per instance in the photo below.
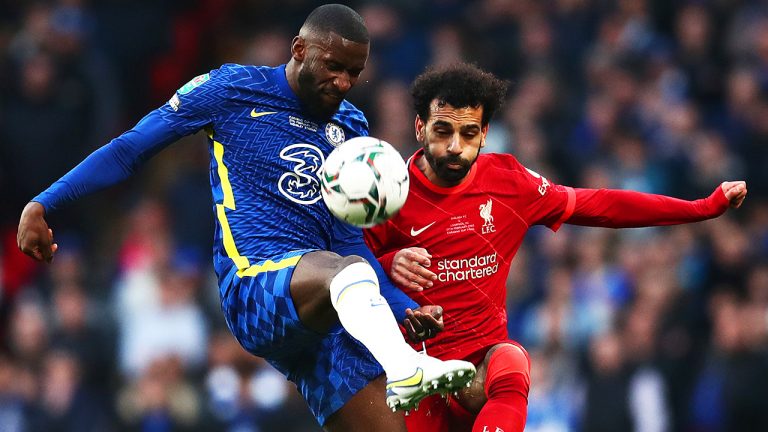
(628, 209)
(104, 167)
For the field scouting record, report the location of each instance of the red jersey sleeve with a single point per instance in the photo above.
(373, 239)
(376, 239)
(628, 209)
(543, 202)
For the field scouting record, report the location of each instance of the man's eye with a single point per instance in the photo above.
(335, 67)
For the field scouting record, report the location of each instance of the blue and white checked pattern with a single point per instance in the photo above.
(327, 369)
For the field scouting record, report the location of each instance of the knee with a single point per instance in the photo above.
(323, 271)
(353, 274)
(509, 370)
(344, 262)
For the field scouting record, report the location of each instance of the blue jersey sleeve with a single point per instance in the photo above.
(111, 163)
(197, 103)
(194, 106)
(348, 240)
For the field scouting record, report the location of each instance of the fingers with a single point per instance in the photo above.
(34, 238)
(47, 253)
(735, 192)
(418, 278)
(437, 312)
(418, 255)
(408, 324)
(403, 281)
(434, 310)
(410, 270)
(413, 327)
(407, 279)
(741, 193)
(48, 248)
(431, 323)
(36, 247)
(421, 324)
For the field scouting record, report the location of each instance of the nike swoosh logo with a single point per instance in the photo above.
(413, 380)
(255, 114)
(375, 303)
(415, 232)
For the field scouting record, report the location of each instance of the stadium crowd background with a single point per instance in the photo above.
(637, 330)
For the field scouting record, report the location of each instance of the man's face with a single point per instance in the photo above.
(330, 67)
(452, 138)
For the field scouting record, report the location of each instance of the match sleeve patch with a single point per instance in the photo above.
(194, 83)
(175, 101)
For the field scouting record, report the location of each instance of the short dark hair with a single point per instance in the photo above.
(460, 85)
(338, 19)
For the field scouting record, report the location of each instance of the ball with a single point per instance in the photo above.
(364, 181)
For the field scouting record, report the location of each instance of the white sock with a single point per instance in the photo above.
(366, 315)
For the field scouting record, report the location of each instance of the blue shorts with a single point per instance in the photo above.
(328, 369)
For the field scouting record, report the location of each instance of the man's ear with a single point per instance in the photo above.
(484, 132)
(298, 48)
(421, 129)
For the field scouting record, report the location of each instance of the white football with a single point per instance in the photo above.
(364, 181)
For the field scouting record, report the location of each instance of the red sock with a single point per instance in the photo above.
(506, 385)
(507, 406)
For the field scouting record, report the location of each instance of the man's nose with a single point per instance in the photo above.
(454, 147)
(343, 82)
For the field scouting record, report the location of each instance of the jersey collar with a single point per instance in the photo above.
(421, 178)
(282, 82)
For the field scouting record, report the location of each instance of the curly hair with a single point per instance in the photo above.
(460, 85)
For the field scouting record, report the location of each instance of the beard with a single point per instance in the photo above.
(310, 96)
(450, 175)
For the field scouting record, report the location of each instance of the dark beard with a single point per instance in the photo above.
(312, 100)
(440, 167)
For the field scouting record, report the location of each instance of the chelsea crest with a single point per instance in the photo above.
(334, 134)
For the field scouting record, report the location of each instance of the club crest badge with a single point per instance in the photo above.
(334, 134)
(485, 213)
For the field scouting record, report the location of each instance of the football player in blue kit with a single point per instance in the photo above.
(297, 286)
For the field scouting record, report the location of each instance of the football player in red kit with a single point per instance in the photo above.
(464, 220)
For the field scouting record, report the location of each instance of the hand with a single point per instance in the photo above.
(423, 323)
(34, 238)
(409, 269)
(735, 192)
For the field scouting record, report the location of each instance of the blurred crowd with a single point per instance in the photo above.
(646, 330)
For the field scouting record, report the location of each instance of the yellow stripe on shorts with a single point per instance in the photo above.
(269, 265)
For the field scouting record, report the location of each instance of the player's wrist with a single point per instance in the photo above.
(35, 209)
(717, 202)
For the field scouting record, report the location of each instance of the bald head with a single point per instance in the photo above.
(335, 18)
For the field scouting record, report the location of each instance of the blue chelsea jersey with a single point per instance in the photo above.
(265, 156)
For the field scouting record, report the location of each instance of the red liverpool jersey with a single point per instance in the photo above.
(473, 231)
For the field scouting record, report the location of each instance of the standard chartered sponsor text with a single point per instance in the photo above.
(449, 270)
